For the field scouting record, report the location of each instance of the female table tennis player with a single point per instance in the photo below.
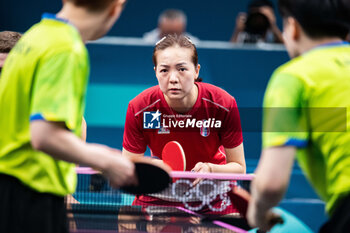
(203, 118)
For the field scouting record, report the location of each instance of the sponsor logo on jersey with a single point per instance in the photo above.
(151, 120)
(205, 131)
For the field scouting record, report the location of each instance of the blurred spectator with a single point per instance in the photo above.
(258, 25)
(8, 39)
(170, 21)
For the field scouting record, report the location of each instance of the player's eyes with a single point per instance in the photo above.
(163, 70)
(182, 69)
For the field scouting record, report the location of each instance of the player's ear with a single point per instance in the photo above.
(197, 70)
(154, 68)
(117, 8)
(294, 28)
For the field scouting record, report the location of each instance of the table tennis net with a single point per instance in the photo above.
(209, 195)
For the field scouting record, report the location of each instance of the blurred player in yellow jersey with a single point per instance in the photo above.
(306, 112)
(42, 92)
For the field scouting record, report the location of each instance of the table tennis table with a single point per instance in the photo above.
(155, 219)
(96, 207)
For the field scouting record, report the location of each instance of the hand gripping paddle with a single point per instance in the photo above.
(240, 199)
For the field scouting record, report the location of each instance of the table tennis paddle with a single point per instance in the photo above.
(174, 156)
(240, 199)
(152, 177)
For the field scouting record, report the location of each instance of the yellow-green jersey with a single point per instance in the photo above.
(43, 78)
(307, 105)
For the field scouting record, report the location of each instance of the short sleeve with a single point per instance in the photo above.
(133, 140)
(59, 89)
(284, 113)
(231, 132)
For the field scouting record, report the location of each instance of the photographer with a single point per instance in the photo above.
(258, 25)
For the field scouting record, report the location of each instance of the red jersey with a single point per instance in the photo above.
(212, 122)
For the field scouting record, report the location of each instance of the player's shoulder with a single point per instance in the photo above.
(52, 37)
(313, 64)
(298, 69)
(216, 95)
(294, 65)
(146, 98)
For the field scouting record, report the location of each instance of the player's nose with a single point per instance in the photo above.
(173, 77)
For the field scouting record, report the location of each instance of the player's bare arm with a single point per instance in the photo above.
(276, 164)
(83, 130)
(128, 153)
(63, 145)
(235, 162)
(131, 154)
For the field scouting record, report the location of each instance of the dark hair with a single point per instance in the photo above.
(8, 39)
(319, 18)
(93, 5)
(176, 40)
(259, 3)
(257, 24)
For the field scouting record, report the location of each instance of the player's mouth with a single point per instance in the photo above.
(174, 90)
